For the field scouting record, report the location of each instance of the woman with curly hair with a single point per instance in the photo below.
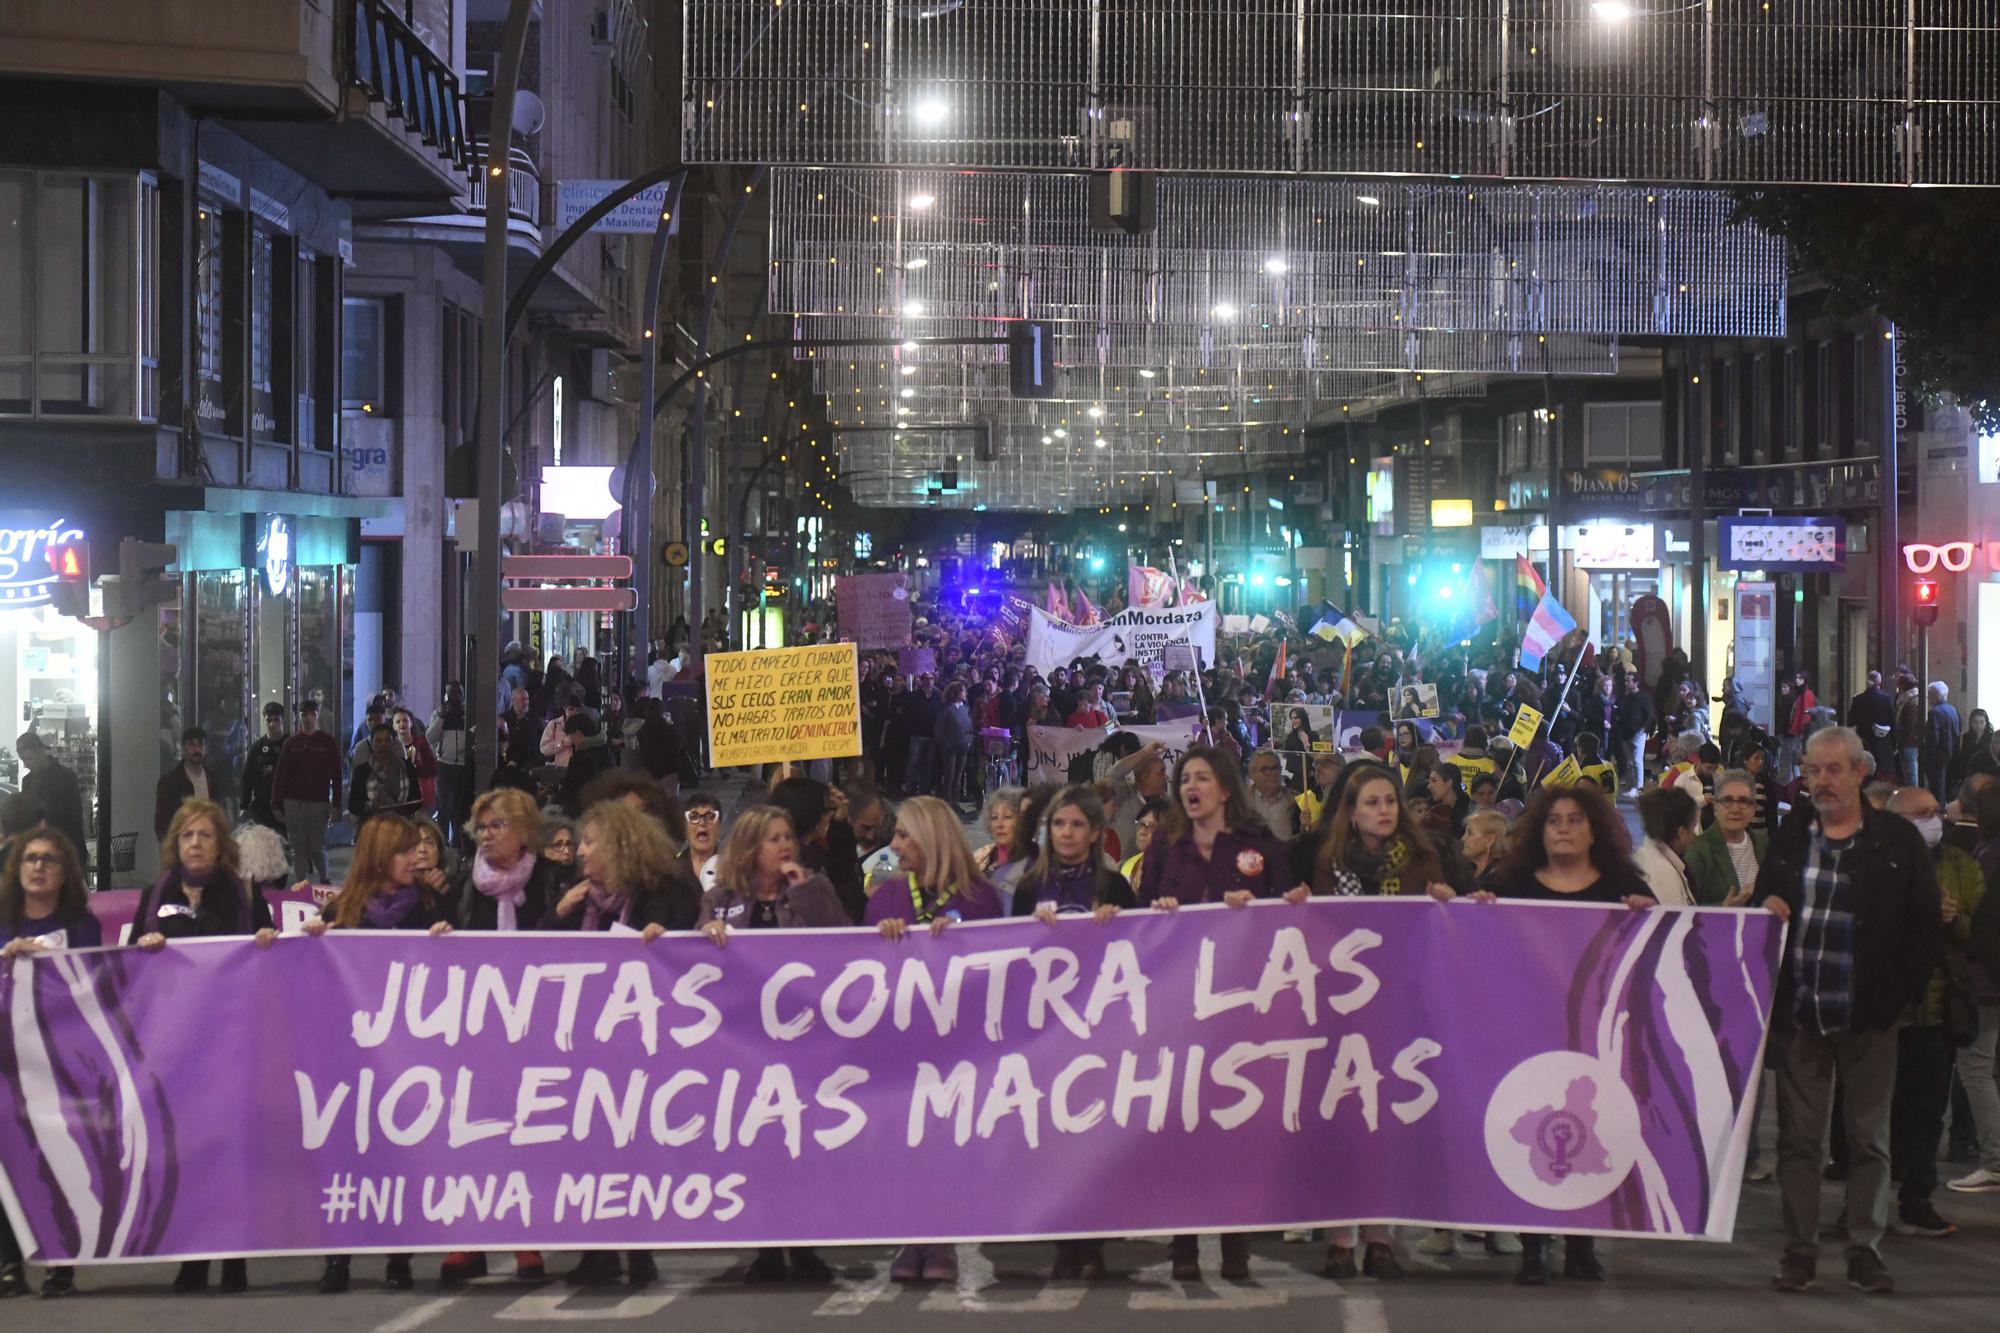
(1572, 849)
(629, 877)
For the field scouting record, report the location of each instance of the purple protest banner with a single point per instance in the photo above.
(1511, 1067)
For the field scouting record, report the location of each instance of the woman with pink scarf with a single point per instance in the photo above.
(505, 885)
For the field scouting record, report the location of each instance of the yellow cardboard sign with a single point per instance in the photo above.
(1527, 722)
(1566, 774)
(783, 703)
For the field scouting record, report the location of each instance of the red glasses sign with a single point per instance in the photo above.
(1952, 557)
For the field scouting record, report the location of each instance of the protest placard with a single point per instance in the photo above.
(874, 609)
(1527, 723)
(783, 703)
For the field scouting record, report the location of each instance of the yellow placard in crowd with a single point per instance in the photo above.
(783, 703)
(1526, 723)
(1566, 774)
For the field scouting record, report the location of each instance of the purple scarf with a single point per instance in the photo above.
(601, 903)
(386, 911)
(507, 888)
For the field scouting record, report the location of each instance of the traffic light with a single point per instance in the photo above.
(716, 545)
(1924, 601)
(70, 593)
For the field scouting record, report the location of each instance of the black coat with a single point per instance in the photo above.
(1898, 930)
(260, 765)
(476, 911)
(55, 788)
(228, 907)
(674, 903)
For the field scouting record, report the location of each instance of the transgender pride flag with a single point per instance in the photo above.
(1546, 628)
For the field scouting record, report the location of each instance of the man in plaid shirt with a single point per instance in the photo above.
(1867, 924)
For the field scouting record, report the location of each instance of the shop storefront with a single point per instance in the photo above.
(48, 662)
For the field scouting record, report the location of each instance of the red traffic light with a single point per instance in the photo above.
(71, 563)
(1924, 601)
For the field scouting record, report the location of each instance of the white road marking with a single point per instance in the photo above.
(417, 1316)
(976, 1274)
(852, 1298)
(679, 1275)
(1271, 1284)
(1363, 1314)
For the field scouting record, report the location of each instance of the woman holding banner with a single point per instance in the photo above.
(1213, 849)
(1373, 846)
(760, 885)
(505, 885)
(1076, 878)
(936, 883)
(44, 905)
(383, 892)
(1573, 849)
(199, 894)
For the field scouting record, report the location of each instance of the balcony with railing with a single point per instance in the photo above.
(397, 70)
(524, 186)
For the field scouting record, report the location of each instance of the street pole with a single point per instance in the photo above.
(639, 462)
(482, 688)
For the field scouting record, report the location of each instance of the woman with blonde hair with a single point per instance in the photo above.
(760, 885)
(936, 882)
(1487, 840)
(503, 885)
(629, 877)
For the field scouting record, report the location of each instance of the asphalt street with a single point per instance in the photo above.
(1654, 1286)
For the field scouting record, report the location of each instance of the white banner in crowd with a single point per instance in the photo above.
(1138, 634)
(1053, 752)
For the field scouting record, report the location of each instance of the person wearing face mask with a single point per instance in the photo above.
(1923, 1046)
(1212, 849)
(384, 891)
(760, 885)
(704, 837)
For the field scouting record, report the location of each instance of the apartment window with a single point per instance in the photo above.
(368, 362)
(78, 323)
(1622, 434)
(264, 423)
(305, 341)
(210, 307)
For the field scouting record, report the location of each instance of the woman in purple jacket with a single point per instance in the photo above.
(1212, 849)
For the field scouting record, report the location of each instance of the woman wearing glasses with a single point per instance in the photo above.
(43, 906)
(505, 885)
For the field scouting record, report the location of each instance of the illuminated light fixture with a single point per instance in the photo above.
(913, 265)
(1047, 440)
(907, 370)
(1276, 265)
(930, 112)
(1095, 412)
(1223, 311)
(1099, 442)
(920, 202)
(1611, 11)
(1147, 374)
(1368, 200)
(1451, 513)
(1060, 433)
(909, 392)
(902, 411)
(914, 309)
(909, 345)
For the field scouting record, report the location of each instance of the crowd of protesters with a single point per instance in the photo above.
(1887, 1011)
